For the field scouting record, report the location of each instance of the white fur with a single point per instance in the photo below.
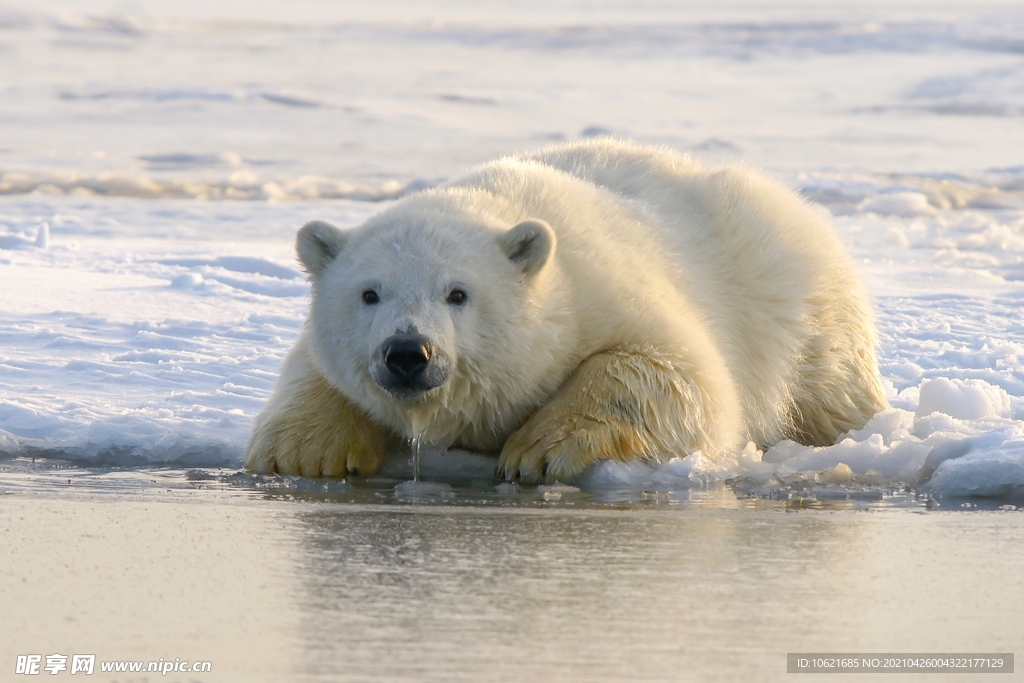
(740, 293)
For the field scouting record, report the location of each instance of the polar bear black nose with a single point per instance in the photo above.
(407, 357)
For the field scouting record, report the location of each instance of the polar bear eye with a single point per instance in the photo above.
(457, 297)
(370, 297)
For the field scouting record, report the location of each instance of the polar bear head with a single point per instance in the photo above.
(434, 317)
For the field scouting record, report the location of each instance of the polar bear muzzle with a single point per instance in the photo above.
(410, 365)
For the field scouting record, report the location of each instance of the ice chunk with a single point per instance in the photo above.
(991, 473)
(892, 424)
(9, 444)
(905, 204)
(556, 491)
(424, 489)
(840, 474)
(676, 474)
(955, 448)
(784, 450)
(187, 281)
(43, 236)
(963, 399)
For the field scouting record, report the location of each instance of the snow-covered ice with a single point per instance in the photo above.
(154, 168)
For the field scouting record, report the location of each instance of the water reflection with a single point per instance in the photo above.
(457, 594)
(331, 581)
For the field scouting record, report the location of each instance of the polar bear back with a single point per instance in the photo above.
(766, 272)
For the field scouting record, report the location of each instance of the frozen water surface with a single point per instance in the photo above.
(155, 163)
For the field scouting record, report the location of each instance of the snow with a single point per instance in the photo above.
(964, 399)
(157, 163)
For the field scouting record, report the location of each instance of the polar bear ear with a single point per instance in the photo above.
(529, 244)
(317, 244)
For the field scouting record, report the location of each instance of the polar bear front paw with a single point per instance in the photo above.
(286, 449)
(551, 449)
(318, 433)
(624, 404)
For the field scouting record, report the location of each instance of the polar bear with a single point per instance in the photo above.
(594, 300)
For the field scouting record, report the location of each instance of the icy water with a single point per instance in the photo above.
(272, 583)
